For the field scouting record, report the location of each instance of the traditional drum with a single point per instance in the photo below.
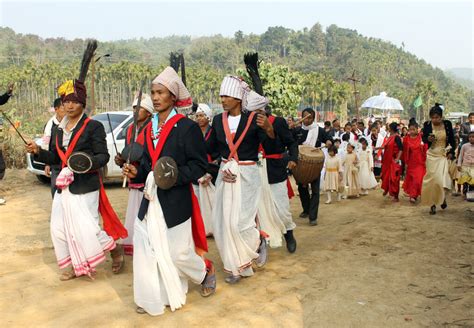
(310, 164)
(79, 162)
(165, 172)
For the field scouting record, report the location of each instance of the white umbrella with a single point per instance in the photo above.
(382, 102)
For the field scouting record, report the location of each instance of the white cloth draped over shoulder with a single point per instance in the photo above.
(235, 208)
(313, 133)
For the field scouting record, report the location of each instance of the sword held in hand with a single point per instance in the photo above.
(134, 128)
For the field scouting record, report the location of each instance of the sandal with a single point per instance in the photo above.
(67, 275)
(433, 210)
(118, 259)
(140, 310)
(208, 286)
(231, 280)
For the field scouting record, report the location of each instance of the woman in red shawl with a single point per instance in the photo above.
(391, 164)
(414, 156)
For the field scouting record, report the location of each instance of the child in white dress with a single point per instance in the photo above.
(366, 168)
(333, 176)
(351, 172)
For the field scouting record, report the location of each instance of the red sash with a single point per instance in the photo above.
(291, 193)
(199, 233)
(208, 134)
(112, 225)
(140, 134)
(230, 140)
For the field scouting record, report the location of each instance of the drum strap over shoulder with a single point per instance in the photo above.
(64, 156)
(230, 142)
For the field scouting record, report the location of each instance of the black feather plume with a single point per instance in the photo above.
(86, 59)
(251, 64)
(183, 69)
(174, 61)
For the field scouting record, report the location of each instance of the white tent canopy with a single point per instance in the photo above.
(383, 102)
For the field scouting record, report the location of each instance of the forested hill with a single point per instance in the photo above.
(323, 58)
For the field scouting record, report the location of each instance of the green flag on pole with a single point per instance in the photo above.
(418, 102)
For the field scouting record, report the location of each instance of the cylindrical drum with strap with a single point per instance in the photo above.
(310, 164)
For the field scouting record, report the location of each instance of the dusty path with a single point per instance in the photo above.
(367, 264)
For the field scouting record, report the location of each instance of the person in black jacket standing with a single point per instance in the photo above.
(164, 241)
(439, 136)
(77, 237)
(277, 164)
(313, 135)
(3, 100)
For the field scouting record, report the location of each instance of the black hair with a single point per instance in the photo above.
(327, 123)
(361, 122)
(348, 124)
(333, 149)
(335, 120)
(412, 123)
(436, 110)
(309, 110)
(57, 102)
(374, 126)
(470, 133)
(345, 137)
(393, 126)
(351, 145)
(363, 140)
(471, 114)
(336, 140)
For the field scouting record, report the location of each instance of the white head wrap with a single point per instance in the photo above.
(171, 80)
(203, 108)
(255, 101)
(235, 87)
(146, 103)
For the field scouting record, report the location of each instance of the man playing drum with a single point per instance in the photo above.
(312, 135)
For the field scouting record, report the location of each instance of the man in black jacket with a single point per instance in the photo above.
(164, 235)
(313, 135)
(3, 100)
(77, 237)
(277, 164)
(236, 135)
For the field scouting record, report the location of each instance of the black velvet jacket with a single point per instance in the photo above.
(93, 142)
(276, 168)
(185, 144)
(428, 129)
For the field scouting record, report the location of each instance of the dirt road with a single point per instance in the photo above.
(369, 263)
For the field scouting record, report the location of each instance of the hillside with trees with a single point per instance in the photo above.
(319, 61)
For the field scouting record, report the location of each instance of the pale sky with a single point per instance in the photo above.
(440, 32)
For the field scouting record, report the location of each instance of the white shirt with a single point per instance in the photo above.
(233, 123)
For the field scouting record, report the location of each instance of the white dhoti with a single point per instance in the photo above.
(135, 197)
(235, 208)
(75, 231)
(282, 205)
(164, 259)
(205, 195)
(267, 213)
